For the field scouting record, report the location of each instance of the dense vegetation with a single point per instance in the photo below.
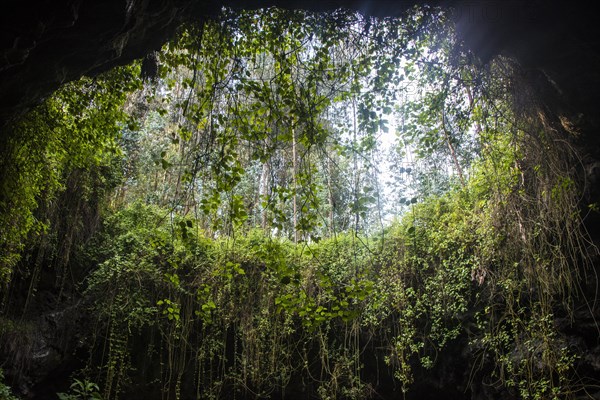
(226, 218)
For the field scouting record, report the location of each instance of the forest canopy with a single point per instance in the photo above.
(283, 204)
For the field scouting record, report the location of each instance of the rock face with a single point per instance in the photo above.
(44, 45)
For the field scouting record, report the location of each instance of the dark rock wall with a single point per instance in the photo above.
(45, 44)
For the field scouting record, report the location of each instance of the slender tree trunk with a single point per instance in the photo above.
(478, 128)
(294, 184)
(355, 167)
(452, 151)
(330, 195)
(263, 191)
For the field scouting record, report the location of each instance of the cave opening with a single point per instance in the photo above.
(290, 204)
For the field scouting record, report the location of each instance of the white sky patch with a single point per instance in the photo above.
(388, 142)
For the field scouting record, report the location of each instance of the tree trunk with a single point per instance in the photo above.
(295, 184)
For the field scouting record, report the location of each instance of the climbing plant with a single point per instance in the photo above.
(245, 249)
(75, 129)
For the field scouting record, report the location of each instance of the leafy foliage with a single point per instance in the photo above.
(81, 390)
(244, 250)
(5, 391)
(75, 129)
